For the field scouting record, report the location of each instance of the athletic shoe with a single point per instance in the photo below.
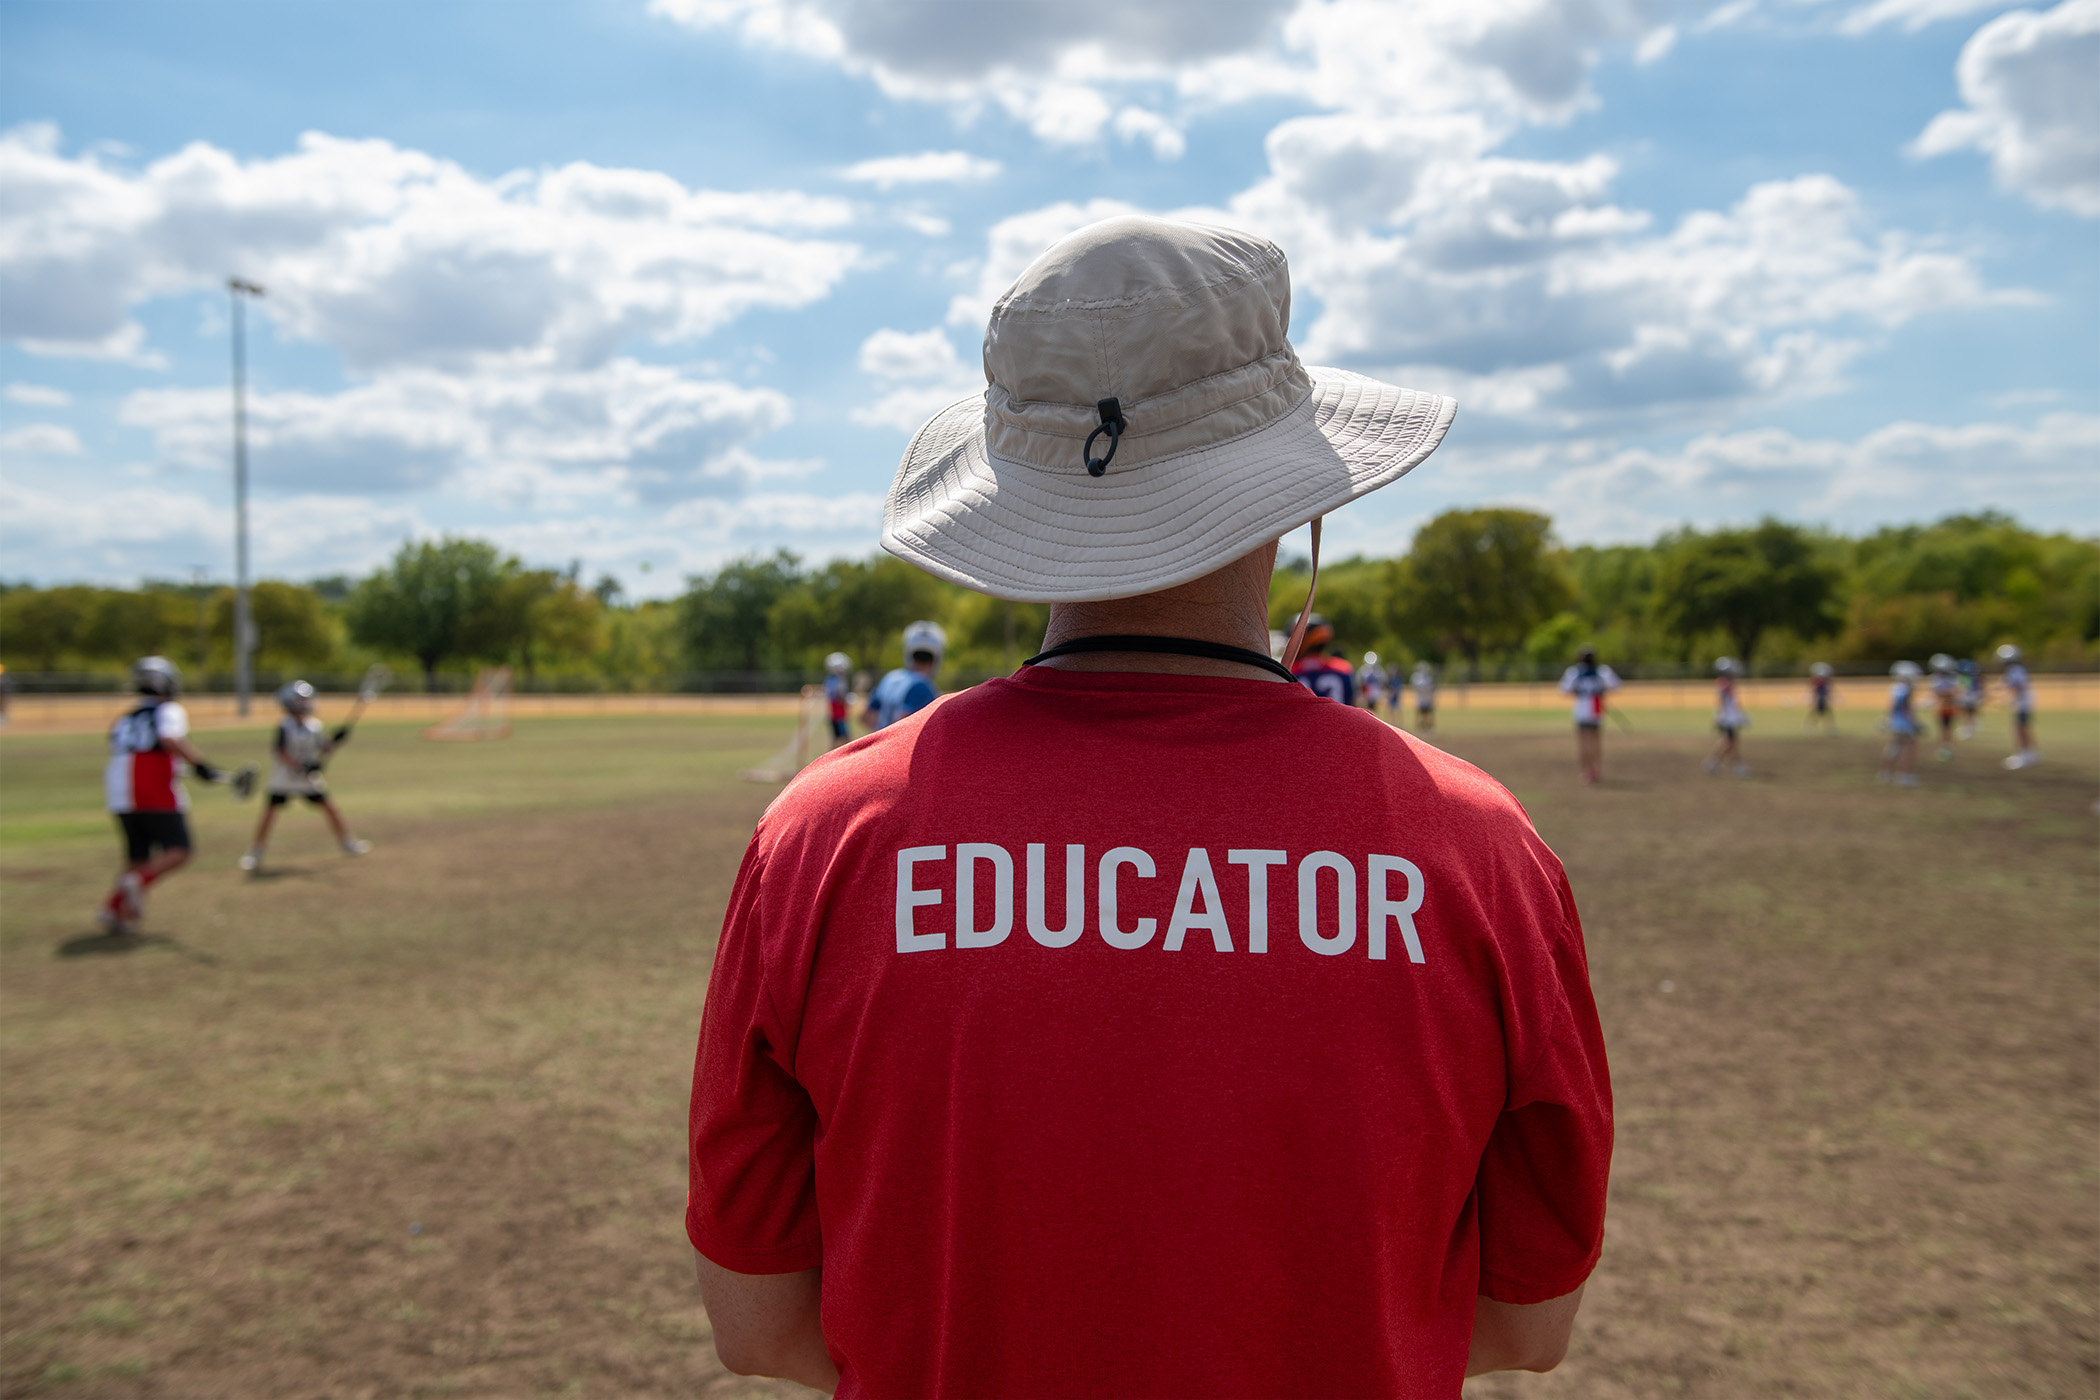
(1906, 780)
(1946, 753)
(1742, 770)
(1712, 767)
(251, 859)
(131, 898)
(111, 923)
(355, 847)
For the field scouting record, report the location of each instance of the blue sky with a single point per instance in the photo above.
(651, 283)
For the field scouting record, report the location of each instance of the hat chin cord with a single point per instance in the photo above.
(1312, 586)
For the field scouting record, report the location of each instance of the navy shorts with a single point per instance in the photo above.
(143, 831)
(319, 799)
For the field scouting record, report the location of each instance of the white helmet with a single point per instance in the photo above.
(1725, 666)
(297, 697)
(2008, 652)
(1370, 658)
(1906, 670)
(1820, 668)
(155, 675)
(1941, 661)
(925, 636)
(838, 663)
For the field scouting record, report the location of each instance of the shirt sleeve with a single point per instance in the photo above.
(752, 1202)
(171, 721)
(1542, 1180)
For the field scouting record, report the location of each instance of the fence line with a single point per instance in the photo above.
(80, 714)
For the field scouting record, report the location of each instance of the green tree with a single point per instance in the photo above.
(723, 616)
(1479, 580)
(556, 621)
(39, 627)
(437, 601)
(860, 606)
(128, 624)
(292, 628)
(1743, 582)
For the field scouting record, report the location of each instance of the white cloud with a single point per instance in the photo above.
(40, 440)
(392, 257)
(1522, 279)
(37, 395)
(89, 531)
(1912, 15)
(1905, 470)
(924, 373)
(2032, 85)
(1072, 70)
(528, 438)
(925, 168)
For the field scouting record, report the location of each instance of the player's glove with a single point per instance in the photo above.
(341, 735)
(209, 773)
(312, 768)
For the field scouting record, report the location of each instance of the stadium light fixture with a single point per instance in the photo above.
(243, 622)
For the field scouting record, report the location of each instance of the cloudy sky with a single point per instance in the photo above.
(650, 283)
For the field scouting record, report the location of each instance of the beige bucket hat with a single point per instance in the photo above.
(1144, 422)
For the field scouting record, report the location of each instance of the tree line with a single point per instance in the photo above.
(1489, 591)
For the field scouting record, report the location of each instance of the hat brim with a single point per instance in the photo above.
(1032, 535)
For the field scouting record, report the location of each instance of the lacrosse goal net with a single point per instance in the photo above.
(812, 737)
(486, 715)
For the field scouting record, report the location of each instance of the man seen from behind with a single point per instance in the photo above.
(1055, 1044)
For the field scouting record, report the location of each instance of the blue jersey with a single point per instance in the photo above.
(1325, 675)
(902, 692)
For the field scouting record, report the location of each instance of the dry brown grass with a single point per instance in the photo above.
(1857, 1135)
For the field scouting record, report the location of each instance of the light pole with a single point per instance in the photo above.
(243, 625)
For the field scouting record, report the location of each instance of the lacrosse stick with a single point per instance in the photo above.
(1620, 715)
(241, 779)
(377, 678)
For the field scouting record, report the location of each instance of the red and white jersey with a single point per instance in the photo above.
(1588, 686)
(142, 775)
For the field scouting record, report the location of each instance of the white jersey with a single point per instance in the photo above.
(1425, 690)
(1902, 722)
(301, 747)
(1728, 709)
(2022, 688)
(1588, 688)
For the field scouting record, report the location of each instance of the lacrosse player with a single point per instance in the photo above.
(837, 668)
(1820, 714)
(1425, 696)
(908, 689)
(1330, 676)
(1729, 721)
(1371, 677)
(1899, 760)
(143, 785)
(1971, 695)
(1946, 691)
(299, 751)
(2019, 688)
(1589, 682)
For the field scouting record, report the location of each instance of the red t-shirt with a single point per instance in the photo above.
(1313, 1062)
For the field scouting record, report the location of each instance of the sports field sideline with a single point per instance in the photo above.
(78, 714)
(412, 1125)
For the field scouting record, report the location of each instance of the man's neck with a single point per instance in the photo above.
(1229, 606)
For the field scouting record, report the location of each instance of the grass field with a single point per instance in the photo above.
(413, 1125)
